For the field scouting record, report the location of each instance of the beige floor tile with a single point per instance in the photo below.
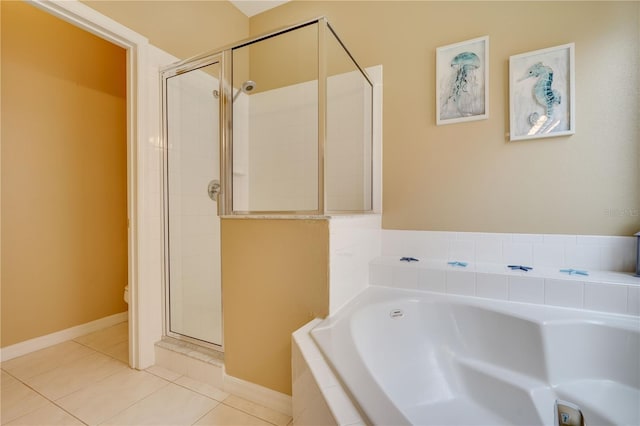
(106, 398)
(6, 378)
(49, 415)
(224, 415)
(264, 413)
(17, 399)
(69, 378)
(104, 339)
(202, 388)
(44, 360)
(171, 405)
(119, 351)
(164, 373)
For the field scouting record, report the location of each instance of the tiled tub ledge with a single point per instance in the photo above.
(605, 291)
(318, 397)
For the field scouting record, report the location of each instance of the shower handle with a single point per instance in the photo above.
(214, 189)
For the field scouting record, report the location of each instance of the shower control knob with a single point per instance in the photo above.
(214, 189)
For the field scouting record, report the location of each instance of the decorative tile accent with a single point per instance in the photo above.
(568, 251)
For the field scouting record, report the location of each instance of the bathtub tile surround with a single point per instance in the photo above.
(354, 241)
(564, 293)
(608, 287)
(492, 286)
(318, 397)
(602, 290)
(461, 282)
(608, 261)
(555, 251)
(526, 289)
(430, 280)
(605, 297)
(633, 301)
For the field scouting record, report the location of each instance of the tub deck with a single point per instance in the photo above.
(408, 357)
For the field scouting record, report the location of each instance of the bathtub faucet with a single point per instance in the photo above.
(567, 414)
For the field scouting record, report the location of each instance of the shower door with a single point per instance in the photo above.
(193, 308)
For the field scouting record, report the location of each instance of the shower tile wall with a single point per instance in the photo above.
(241, 152)
(193, 220)
(275, 147)
(348, 150)
(283, 153)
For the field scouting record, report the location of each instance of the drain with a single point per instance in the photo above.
(396, 313)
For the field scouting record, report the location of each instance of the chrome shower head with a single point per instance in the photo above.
(246, 87)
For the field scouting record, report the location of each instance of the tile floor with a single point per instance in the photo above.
(86, 381)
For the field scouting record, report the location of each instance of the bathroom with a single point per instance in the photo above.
(465, 177)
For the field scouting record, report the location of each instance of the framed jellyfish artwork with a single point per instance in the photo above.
(542, 93)
(462, 81)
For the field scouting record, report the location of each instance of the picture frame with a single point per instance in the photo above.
(462, 81)
(542, 93)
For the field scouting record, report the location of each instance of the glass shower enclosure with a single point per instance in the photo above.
(279, 124)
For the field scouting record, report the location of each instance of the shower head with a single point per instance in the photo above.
(246, 87)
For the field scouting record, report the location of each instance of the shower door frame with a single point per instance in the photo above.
(166, 73)
(324, 31)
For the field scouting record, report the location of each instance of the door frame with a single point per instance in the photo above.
(138, 121)
(170, 71)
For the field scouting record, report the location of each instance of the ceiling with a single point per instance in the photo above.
(253, 7)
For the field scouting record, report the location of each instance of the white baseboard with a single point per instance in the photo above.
(259, 394)
(42, 342)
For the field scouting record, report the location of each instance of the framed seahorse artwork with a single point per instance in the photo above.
(542, 93)
(462, 81)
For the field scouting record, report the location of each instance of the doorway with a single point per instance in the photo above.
(64, 195)
(145, 327)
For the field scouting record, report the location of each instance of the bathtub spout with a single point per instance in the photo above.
(567, 414)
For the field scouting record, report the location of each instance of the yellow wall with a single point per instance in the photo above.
(182, 28)
(463, 177)
(64, 217)
(468, 177)
(275, 279)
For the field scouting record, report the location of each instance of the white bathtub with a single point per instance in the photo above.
(408, 357)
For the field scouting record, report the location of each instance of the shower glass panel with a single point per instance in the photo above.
(348, 145)
(275, 123)
(278, 124)
(192, 225)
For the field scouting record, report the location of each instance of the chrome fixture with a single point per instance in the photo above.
(214, 189)
(567, 414)
(637, 235)
(246, 87)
